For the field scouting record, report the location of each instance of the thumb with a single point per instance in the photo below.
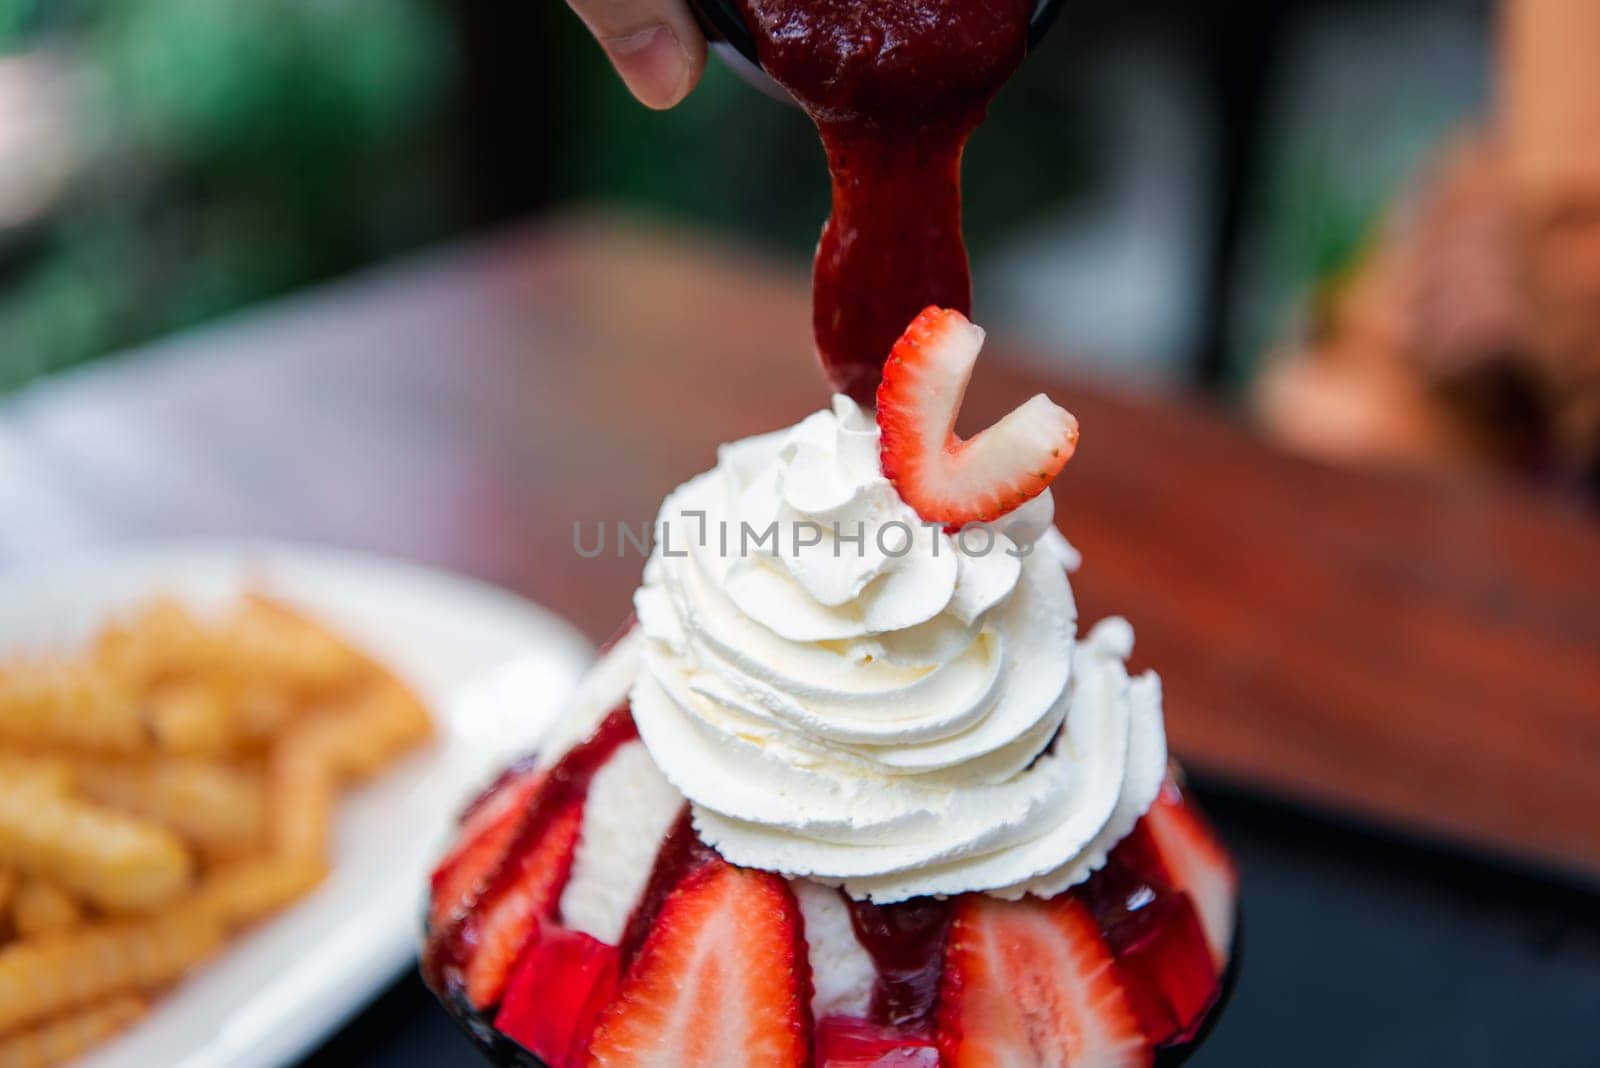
(655, 45)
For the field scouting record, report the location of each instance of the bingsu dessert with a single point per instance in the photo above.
(854, 787)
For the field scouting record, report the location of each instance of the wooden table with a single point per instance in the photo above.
(1421, 653)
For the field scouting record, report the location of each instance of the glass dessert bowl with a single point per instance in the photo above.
(852, 790)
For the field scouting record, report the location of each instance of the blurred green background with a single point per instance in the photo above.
(1152, 192)
(172, 160)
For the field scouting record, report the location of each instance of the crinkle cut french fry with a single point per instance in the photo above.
(248, 890)
(61, 703)
(111, 859)
(192, 718)
(231, 735)
(39, 908)
(265, 639)
(219, 808)
(262, 713)
(301, 791)
(68, 1036)
(347, 742)
(159, 641)
(363, 735)
(42, 976)
(50, 773)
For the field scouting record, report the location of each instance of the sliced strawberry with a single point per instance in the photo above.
(1155, 934)
(512, 918)
(1199, 865)
(486, 831)
(722, 979)
(561, 985)
(850, 1042)
(945, 479)
(1030, 983)
(475, 951)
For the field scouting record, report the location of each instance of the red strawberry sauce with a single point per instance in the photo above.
(906, 942)
(895, 88)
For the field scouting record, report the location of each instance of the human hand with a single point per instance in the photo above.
(655, 45)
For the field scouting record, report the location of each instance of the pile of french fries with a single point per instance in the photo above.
(163, 790)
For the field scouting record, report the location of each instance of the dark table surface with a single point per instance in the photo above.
(1388, 686)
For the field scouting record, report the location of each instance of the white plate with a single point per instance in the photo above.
(493, 669)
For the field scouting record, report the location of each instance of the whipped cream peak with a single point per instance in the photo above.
(849, 693)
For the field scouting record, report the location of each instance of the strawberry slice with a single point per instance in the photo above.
(475, 952)
(486, 831)
(945, 479)
(722, 979)
(850, 1042)
(1199, 865)
(511, 920)
(561, 985)
(1032, 982)
(1155, 934)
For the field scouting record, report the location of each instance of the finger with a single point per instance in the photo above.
(655, 45)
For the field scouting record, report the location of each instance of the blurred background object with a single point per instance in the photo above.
(162, 162)
(1375, 221)
(1467, 334)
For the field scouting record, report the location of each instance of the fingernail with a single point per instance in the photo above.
(653, 64)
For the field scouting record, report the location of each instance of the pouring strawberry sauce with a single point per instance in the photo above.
(803, 830)
(895, 90)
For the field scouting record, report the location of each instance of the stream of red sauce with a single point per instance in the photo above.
(895, 88)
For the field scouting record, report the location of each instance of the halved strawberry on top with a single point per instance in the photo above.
(1032, 982)
(722, 981)
(945, 479)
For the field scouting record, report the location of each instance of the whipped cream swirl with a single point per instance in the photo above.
(847, 693)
